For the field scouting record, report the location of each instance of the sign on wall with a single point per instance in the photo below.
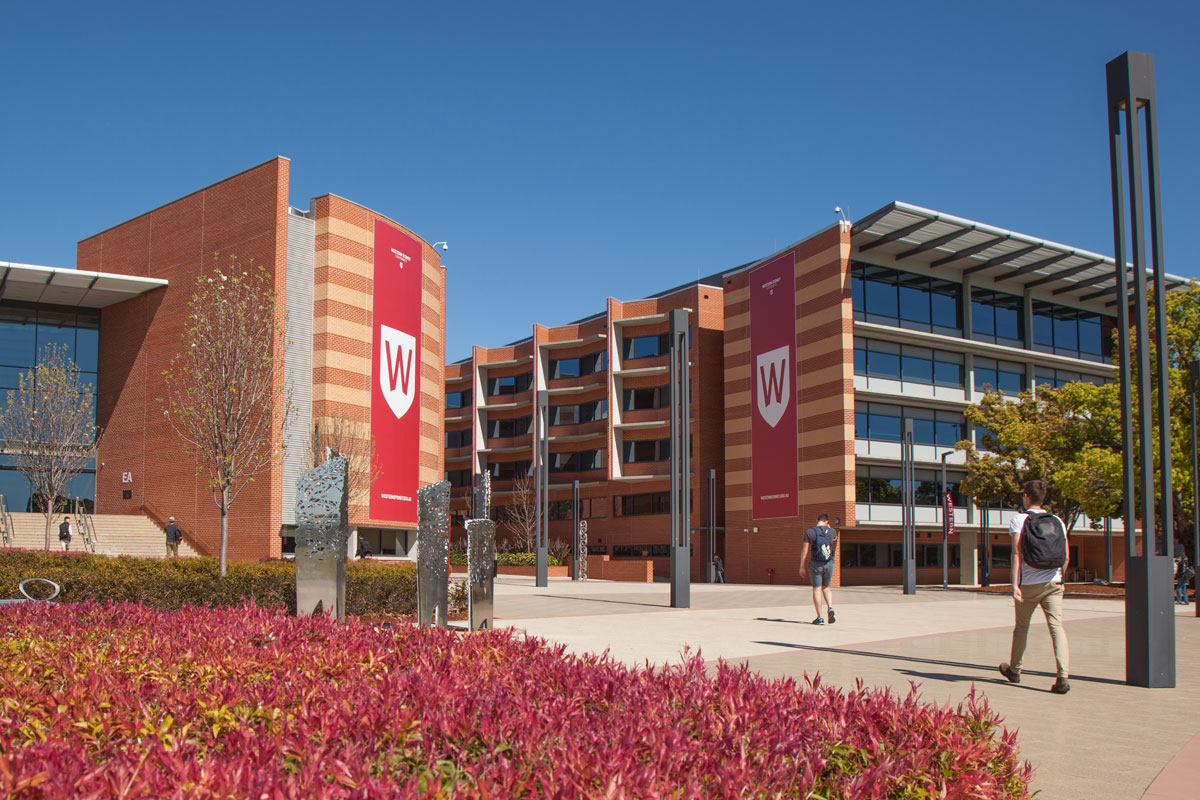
(396, 374)
(774, 472)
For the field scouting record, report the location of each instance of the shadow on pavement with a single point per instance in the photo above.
(666, 605)
(939, 662)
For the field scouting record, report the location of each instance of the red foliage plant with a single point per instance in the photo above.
(107, 701)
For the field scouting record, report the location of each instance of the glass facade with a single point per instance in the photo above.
(908, 363)
(1003, 376)
(906, 300)
(1069, 332)
(997, 317)
(884, 422)
(25, 332)
(882, 484)
(578, 367)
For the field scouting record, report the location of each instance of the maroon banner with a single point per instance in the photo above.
(949, 512)
(774, 471)
(396, 375)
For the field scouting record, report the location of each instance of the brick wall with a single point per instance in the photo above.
(824, 387)
(246, 216)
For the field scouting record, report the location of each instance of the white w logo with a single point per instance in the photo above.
(397, 378)
(774, 389)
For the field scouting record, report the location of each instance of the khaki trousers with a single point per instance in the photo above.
(1049, 596)
(172, 549)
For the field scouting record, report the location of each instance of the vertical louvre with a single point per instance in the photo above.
(297, 361)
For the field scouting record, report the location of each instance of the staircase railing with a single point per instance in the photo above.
(197, 543)
(6, 524)
(84, 519)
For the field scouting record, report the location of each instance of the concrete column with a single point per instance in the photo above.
(968, 546)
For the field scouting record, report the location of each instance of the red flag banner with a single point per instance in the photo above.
(949, 513)
(773, 430)
(396, 374)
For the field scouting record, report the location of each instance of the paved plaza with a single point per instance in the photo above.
(1103, 740)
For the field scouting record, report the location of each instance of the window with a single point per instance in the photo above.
(576, 414)
(1058, 378)
(878, 359)
(459, 477)
(633, 505)
(508, 470)
(997, 317)
(646, 450)
(578, 367)
(458, 399)
(907, 300)
(1003, 376)
(640, 550)
(646, 397)
(1069, 331)
(511, 384)
(505, 428)
(646, 346)
(885, 422)
(577, 461)
(458, 438)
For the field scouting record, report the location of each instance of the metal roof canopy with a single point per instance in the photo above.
(908, 232)
(62, 286)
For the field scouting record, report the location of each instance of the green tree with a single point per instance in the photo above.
(49, 427)
(228, 401)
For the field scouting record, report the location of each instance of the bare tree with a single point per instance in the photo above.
(49, 427)
(351, 439)
(228, 402)
(521, 514)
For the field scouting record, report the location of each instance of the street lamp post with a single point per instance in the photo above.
(1194, 370)
(945, 524)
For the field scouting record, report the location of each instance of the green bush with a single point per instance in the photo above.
(459, 558)
(372, 587)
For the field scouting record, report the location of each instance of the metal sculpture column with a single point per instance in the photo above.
(481, 557)
(681, 534)
(581, 566)
(1149, 614)
(541, 469)
(908, 523)
(481, 496)
(433, 544)
(321, 533)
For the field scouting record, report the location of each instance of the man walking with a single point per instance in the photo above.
(1040, 553)
(174, 537)
(64, 534)
(819, 542)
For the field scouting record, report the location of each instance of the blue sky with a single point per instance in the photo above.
(569, 151)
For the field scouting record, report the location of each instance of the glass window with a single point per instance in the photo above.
(506, 428)
(18, 344)
(458, 399)
(945, 306)
(87, 349)
(458, 438)
(916, 364)
(860, 357)
(948, 369)
(914, 301)
(646, 346)
(882, 299)
(883, 360)
(997, 317)
(884, 422)
(1090, 339)
(1010, 378)
(510, 384)
(949, 429)
(646, 450)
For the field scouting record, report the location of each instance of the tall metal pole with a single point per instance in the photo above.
(681, 544)
(1108, 551)
(1149, 617)
(908, 513)
(712, 526)
(1194, 370)
(945, 502)
(542, 491)
(575, 516)
(987, 548)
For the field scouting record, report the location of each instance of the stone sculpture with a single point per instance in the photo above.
(321, 533)
(481, 564)
(433, 546)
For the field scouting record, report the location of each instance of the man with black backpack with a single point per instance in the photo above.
(1040, 554)
(819, 541)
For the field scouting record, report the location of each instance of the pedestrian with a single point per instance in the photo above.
(719, 569)
(1040, 553)
(363, 550)
(174, 537)
(1183, 574)
(819, 543)
(64, 534)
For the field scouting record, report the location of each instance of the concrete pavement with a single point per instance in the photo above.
(1103, 740)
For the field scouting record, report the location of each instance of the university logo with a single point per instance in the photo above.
(397, 369)
(774, 388)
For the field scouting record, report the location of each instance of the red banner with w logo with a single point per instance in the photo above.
(774, 476)
(396, 374)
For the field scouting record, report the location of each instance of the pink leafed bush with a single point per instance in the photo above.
(108, 701)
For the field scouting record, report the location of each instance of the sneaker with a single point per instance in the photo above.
(1061, 686)
(832, 617)
(1008, 672)
(819, 621)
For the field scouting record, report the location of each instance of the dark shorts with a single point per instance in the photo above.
(821, 574)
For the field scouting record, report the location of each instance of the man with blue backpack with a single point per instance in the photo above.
(820, 541)
(1040, 554)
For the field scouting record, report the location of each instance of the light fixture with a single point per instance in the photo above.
(444, 245)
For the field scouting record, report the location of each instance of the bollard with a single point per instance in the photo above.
(770, 574)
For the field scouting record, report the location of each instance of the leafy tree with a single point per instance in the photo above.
(228, 402)
(49, 427)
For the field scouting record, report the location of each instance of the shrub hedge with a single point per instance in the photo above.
(372, 587)
(122, 701)
(459, 558)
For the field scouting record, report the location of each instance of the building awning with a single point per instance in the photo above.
(60, 286)
(911, 233)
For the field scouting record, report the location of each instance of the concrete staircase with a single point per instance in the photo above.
(116, 535)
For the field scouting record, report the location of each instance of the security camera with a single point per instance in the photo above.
(444, 245)
(837, 209)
